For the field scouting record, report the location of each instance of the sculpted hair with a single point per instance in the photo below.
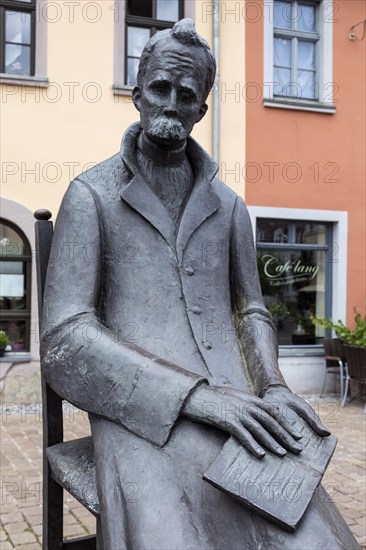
(184, 32)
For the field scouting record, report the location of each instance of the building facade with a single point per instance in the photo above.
(305, 168)
(286, 123)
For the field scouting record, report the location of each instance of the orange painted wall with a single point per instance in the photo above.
(280, 135)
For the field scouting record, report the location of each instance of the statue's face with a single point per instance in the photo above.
(171, 99)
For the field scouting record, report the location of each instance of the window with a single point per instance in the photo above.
(296, 275)
(17, 47)
(298, 54)
(295, 48)
(143, 19)
(15, 284)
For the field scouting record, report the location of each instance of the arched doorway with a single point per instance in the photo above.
(15, 285)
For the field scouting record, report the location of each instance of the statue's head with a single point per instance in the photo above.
(176, 73)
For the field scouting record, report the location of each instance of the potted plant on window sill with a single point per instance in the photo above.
(18, 346)
(3, 342)
(17, 337)
(304, 335)
(278, 311)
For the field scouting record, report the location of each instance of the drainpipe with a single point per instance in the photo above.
(216, 96)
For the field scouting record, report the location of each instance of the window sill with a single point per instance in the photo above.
(35, 81)
(316, 350)
(122, 90)
(300, 105)
(16, 357)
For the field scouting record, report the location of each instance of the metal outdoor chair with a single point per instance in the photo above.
(335, 364)
(66, 465)
(356, 369)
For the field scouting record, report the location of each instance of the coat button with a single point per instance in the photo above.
(207, 345)
(196, 310)
(189, 270)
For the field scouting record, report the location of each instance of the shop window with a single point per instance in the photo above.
(295, 274)
(18, 36)
(15, 286)
(143, 19)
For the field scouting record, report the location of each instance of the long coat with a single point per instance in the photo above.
(137, 314)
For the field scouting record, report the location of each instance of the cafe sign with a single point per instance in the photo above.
(291, 271)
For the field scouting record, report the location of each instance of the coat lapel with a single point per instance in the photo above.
(141, 198)
(202, 203)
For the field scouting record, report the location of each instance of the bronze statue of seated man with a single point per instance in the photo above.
(163, 252)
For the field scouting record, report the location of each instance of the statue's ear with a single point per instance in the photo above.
(202, 112)
(136, 97)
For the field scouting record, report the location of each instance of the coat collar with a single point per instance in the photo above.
(202, 203)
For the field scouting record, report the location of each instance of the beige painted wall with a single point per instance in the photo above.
(50, 134)
(232, 104)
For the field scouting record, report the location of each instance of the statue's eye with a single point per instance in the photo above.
(160, 88)
(187, 96)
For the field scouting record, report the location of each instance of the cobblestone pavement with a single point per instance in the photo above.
(21, 489)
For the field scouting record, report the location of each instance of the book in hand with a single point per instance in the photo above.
(278, 488)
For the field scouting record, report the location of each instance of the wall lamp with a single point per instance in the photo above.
(353, 36)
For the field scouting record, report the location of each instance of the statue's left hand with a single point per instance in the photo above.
(283, 397)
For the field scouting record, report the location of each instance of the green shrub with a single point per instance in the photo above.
(3, 339)
(351, 336)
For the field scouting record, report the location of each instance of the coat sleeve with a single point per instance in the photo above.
(257, 334)
(81, 358)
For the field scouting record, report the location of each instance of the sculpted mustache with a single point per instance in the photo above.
(163, 126)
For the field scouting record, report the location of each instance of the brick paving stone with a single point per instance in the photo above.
(82, 512)
(6, 546)
(8, 508)
(22, 538)
(34, 519)
(10, 518)
(352, 514)
(74, 530)
(358, 530)
(89, 523)
(16, 527)
(361, 520)
(3, 535)
(70, 519)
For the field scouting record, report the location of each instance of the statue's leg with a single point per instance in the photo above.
(322, 527)
(142, 499)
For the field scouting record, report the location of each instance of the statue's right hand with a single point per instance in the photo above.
(253, 421)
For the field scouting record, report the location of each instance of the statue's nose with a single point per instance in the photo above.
(171, 104)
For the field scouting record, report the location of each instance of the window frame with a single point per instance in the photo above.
(28, 7)
(26, 257)
(39, 44)
(325, 103)
(186, 9)
(152, 23)
(295, 35)
(339, 221)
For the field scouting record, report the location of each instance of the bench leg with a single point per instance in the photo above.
(99, 534)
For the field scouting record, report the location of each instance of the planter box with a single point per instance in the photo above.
(356, 361)
(333, 347)
(303, 339)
